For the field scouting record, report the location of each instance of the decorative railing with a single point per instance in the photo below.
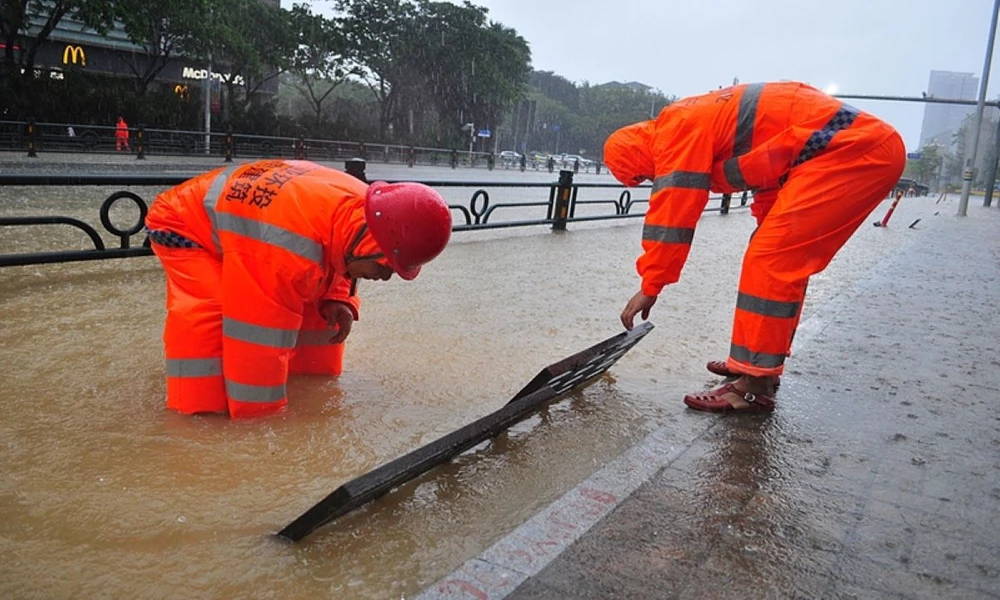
(561, 206)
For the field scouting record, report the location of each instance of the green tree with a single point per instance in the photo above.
(161, 29)
(254, 42)
(552, 117)
(557, 88)
(443, 39)
(379, 36)
(926, 168)
(601, 109)
(501, 79)
(319, 63)
(480, 83)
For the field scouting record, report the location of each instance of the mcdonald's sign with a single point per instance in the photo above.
(74, 54)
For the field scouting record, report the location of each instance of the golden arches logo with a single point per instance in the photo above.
(74, 54)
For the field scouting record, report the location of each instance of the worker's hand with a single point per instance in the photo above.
(638, 303)
(339, 317)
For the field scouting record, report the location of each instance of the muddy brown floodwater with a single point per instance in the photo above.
(107, 494)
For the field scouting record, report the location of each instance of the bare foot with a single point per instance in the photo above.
(763, 386)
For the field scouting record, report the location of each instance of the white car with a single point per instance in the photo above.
(570, 159)
(510, 158)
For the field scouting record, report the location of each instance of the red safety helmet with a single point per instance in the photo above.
(411, 224)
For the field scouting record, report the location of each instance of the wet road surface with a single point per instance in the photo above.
(107, 493)
(877, 477)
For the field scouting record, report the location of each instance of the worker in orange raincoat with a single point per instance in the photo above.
(121, 135)
(261, 262)
(817, 167)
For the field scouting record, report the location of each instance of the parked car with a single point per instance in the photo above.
(509, 158)
(569, 160)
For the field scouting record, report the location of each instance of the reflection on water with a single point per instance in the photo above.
(106, 493)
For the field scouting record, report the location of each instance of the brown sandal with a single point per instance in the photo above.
(719, 368)
(714, 400)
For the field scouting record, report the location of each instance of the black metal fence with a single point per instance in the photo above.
(559, 202)
(34, 137)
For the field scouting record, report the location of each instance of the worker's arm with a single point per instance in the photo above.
(342, 289)
(340, 306)
(683, 161)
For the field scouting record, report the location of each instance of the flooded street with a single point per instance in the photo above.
(107, 494)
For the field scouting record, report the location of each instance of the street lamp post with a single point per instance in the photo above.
(970, 161)
(208, 106)
(472, 133)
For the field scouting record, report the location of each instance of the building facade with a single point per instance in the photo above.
(943, 121)
(73, 45)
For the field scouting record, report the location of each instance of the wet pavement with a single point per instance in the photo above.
(616, 489)
(877, 477)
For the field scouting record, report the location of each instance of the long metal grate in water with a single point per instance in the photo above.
(551, 382)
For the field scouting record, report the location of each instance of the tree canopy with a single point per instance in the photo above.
(429, 68)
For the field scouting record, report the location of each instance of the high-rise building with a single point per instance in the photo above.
(942, 121)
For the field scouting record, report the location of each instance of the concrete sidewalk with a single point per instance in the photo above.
(878, 476)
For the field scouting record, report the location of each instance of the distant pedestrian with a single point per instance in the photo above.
(818, 167)
(121, 135)
(70, 132)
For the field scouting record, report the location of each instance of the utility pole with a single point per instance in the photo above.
(208, 106)
(970, 160)
(472, 136)
(208, 92)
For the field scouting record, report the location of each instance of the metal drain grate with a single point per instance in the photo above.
(553, 381)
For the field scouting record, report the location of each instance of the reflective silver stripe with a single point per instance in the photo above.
(244, 392)
(316, 337)
(271, 234)
(667, 235)
(683, 179)
(212, 198)
(194, 367)
(746, 118)
(258, 334)
(757, 359)
(767, 308)
(734, 175)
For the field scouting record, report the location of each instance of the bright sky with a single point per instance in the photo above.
(686, 47)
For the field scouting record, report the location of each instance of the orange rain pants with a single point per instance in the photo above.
(817, 210)
(817, 166)
(121, 135)
(244, 282)
(195, 346)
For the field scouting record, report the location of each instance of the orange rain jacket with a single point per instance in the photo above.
(121, 129)
(750, 136)
(280, 232)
